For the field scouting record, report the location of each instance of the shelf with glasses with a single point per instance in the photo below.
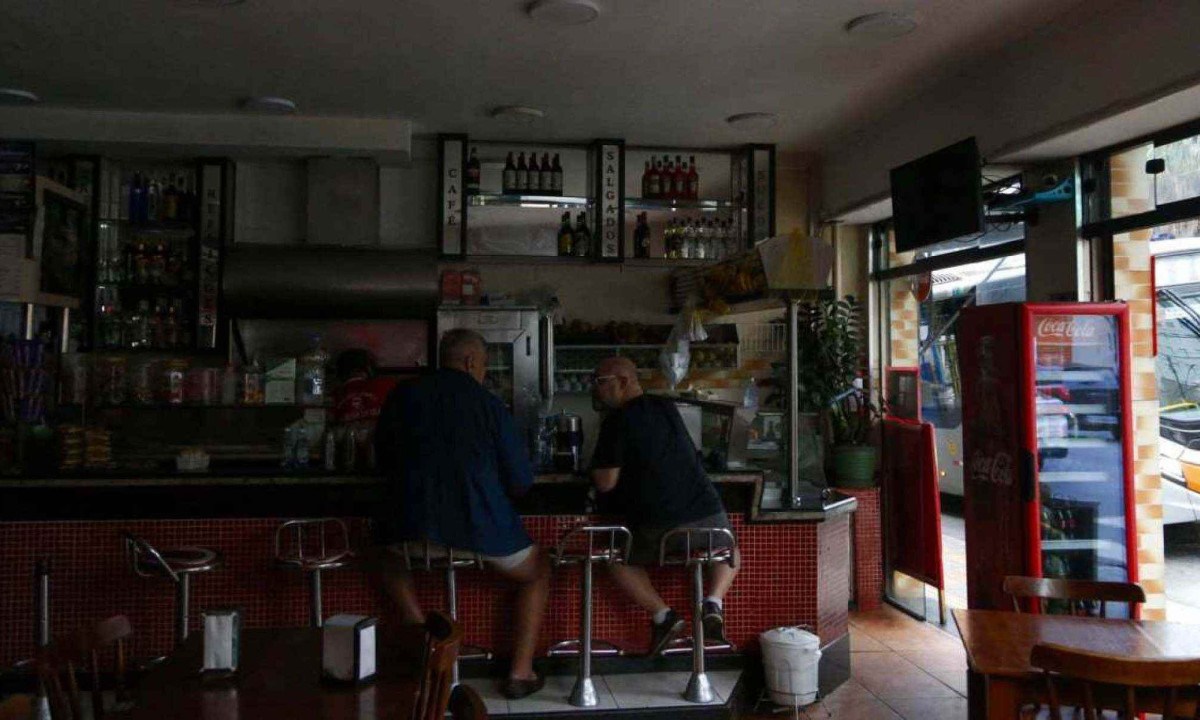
(1073, 409)
(1094, 545)
(1067, 443)
(1044, 376)
(531, 200)
(1074, 477)
(636, 203)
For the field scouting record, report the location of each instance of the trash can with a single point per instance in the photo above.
(790, 657)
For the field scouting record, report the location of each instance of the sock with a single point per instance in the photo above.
(661, 616)
(716, 601)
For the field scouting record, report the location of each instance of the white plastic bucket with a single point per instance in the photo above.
(790, 658)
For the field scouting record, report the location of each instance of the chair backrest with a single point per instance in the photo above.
(691, 546)
(599, 543)
(20, 707)
(465, 704)
(443, 637)
(312, 539)
(138, 551)
(1080, 595)
(59, 664)
(1112, 682)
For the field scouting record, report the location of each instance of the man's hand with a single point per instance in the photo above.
(605, 479)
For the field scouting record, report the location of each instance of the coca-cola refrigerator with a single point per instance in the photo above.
(1047, 445)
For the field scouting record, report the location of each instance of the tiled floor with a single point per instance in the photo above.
(900, 668)
(620, 692)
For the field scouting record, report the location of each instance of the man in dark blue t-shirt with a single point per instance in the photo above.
(647, 469)
(454, 460)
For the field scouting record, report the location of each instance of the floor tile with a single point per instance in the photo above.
(850, 702)
(889, 675)
(489, 692)
(553, 697)
(930, 708)
(724, 681)
(860, 641)
(955, 678)
(644, 690)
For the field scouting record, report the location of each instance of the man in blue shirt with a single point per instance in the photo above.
(454, 461)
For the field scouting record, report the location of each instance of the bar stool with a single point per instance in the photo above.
(304, 545)
(177, 565)
(427, 556)
(699, 552)
(586, 545)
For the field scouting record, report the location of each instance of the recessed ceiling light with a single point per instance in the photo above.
(882, 25)
(753, 121)
(16, 96)
(517, 113)
(563, 12)
(269, 104)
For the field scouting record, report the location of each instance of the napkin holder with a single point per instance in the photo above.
(222, 640)
(348, 648)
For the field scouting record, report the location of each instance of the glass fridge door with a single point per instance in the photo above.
(1080, 448)
(499, 377)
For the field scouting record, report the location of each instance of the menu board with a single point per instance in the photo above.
(16, 188)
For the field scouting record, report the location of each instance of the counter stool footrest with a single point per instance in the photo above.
(474, 652)
(573, 648)
(683, 645)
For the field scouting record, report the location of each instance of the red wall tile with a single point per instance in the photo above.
(868, 549)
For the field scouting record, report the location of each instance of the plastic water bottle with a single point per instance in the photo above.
(311, 375)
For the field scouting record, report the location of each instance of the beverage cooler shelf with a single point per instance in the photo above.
(1076, 409)
(1055, 376)
(528, 201)
(670, 204)
(1105, 547)
(1059, 443)
(1074, 477)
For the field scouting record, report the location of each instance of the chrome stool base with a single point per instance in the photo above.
(574, 648)
(685, 646)
(699, 689)
(474, 652)
(584, 693)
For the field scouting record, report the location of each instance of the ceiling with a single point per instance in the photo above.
(651, 71)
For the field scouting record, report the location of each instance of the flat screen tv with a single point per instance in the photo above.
(937, 197)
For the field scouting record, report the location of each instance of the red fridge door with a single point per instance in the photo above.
(994, 497)
(1076, 392)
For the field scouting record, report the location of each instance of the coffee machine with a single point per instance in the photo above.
(568, 443)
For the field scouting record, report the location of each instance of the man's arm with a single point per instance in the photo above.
(608, 455)
(516, 472)
(605, 479)
(386, 433)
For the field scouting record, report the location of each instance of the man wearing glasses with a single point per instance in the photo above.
(647, 469)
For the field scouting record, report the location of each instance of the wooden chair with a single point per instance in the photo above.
(465, 704)
(1078, 594)
(1096, 682)
(443, 637)
(59, 665)
(17, 707)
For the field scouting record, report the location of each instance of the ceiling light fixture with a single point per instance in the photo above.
(563, 13)
(209, 3)
(753, 121)
(17, 96)
(517, 113)
(882, 25)
(269, 104)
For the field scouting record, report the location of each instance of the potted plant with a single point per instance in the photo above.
(852, 420)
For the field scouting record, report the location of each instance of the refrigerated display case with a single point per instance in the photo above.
(1048, 447)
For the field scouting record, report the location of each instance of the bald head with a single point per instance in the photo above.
(615, 383)
(464, 350)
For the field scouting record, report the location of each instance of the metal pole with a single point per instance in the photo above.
(584, 692)
(699, 690)
(793, 388)
(316, 599)
(452, 608)
(182, 601)
(41, 593)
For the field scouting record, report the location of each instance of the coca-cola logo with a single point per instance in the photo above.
(1065, 327)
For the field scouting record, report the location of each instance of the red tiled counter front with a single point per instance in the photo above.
(794, 573)
(868, 548)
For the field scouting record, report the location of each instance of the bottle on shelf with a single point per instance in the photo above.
(566, 245)
(660, 187)
(522, 175)
(153, 201)
(582, 237)
(679, 180)
(688, 248)
(171, 326)
(170, 200)
(557, 175)
(474, 173)
(137, 199)
(533, 176)
(155, 322)
(641, 236)
(546, 175)
(509, 182)
(670, 249)
(700, 241)
(693, 179)
(184, 202)
(668, 178)
(310, 373)
(654, 184)
(646, 181)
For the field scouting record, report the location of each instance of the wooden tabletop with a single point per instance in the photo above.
(998, 643)
(280, 676)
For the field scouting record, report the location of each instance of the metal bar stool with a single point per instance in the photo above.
(427, 556)
(305, 545)
(698, 552)
(586, 545)
(177, 565)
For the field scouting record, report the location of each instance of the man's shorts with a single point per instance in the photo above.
(646, 540)
(416, 552)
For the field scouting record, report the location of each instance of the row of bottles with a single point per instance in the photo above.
(531, 177)
(167, 196)
(161, 326)
(574, 241)
(668, 179)
(689, 239)
(160, 261)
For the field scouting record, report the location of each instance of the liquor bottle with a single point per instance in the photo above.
(155, 320)
(533, 175)
(654, 182)
(641, 235)
(646, 181)
(153, 201)
(679, 179)
(137, 200)
(171, 327)
(566, 245)
(557, 174)
(669, 235)
(693, 179)
(700, 248)
(140, 271)
(158, 264)
(668, 178)
(474, 170)
(183, 209)
(716, 245)
(582, 237)
(509, 183)
(522, 175)
(546, 175)
(170, 201)
(688, 249)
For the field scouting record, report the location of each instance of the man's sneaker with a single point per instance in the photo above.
(661, 634)
(714, 623)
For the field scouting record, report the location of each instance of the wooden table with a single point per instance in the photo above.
(999, 643)
(280, 676)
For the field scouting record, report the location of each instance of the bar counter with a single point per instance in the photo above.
(796, 562)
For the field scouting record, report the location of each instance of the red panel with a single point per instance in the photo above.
(913, 502)
(891, 376)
